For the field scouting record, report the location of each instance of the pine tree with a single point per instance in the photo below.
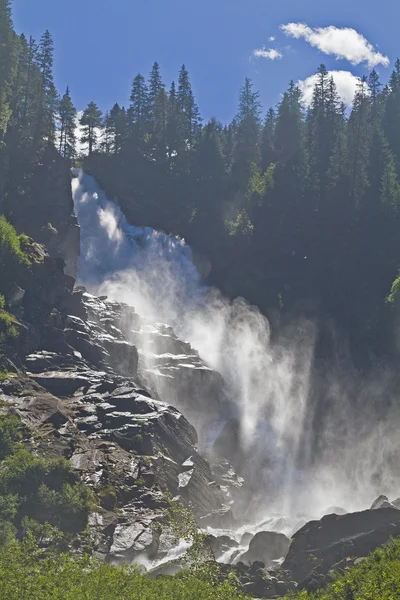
(358, 134)
(190, 120)
(391, 117)
(67, 119)
(91, 121)
(289, 125)
(323, 123)
(139, 111)
(108, 137)
(31, 72)
(159, 141)
(20, 80)
(247, 136)
(268, 140)
(116, 126)
(155, 86)
(7, 63)
(48, 99)
(175, 144)
(210, 186)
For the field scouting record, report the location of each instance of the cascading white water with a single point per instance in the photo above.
(267, 383)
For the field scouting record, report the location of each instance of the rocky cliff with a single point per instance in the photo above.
(81, 389)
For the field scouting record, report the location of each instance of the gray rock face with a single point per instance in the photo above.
(321, 544)
(266, 546)
(176, 372)
(84, 394)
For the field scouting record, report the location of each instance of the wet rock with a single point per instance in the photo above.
(181, 378)
(266, 546)
(382, 502)
(220, 518)
(221, 544)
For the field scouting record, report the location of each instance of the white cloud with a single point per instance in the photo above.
(270, 54)
(341, 42)
(345, 81)
(271, 38)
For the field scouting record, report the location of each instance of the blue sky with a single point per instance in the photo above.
(100, 46)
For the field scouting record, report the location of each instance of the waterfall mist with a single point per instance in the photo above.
(309, 441)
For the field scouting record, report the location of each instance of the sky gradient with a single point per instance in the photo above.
(100, 46)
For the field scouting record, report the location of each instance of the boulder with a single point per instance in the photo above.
(266, 546)
(382, 502)
(324, 543)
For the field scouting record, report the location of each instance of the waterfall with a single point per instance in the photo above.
(291, 468)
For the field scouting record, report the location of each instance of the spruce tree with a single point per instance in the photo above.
(190, 120)
(247, 134)
(268, 140)
(116, 126)
(159, 141)
(391, 117)
(48, 98)
(175, 143)
(358, 135)
(210, 187)
(289, 125)
(67, 120)
(7, 63)
(155, 86)
(139, 111)
(91, 121)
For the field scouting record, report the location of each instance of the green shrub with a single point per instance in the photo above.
(10, 434)
(241, 225)
(13, 258)
(10, 245)
(44, 490)
(26, 572)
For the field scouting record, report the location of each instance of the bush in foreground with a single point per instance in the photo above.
(26, 573)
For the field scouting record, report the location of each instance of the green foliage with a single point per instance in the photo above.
(183, 525)
(8, 332)
(41, 489)
(376, 577)
(67, 117)
(241, 225)
(393, 297)
(27, 572)
(10, 246)
(10, 434)
(91, 121)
